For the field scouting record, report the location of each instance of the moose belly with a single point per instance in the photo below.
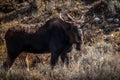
(37, 48)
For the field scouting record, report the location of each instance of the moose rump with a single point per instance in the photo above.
(55, 36)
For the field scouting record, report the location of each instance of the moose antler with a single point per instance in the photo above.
(81, 21)
(70, 17)
(60, 15)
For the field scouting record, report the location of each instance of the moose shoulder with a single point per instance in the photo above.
(55, 36)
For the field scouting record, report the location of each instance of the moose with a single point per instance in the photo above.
(56, 36)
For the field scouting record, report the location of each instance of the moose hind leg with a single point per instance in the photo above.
(65, 59)
(10, 60)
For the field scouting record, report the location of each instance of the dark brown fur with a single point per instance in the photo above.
(55, 36)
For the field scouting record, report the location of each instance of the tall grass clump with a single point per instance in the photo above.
(97, 62)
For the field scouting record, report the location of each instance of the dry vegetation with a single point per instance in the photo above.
(99, 58)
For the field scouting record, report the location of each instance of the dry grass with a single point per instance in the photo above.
(97, 62)
(100, 61)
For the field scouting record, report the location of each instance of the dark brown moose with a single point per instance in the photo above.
(55, 36)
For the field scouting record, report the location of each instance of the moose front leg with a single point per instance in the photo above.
(54, 59)
(65, 59)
